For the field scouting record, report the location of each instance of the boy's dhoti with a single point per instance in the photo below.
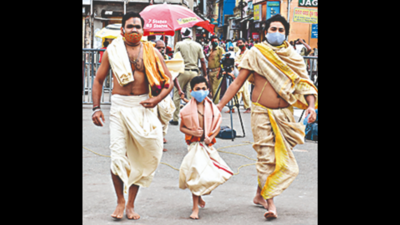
(275, 134)
(202, 169)
(135, 140)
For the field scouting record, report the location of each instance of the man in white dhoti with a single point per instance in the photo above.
(202, 169)
(135, 132)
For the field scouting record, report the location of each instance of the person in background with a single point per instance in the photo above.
(214, 59)
(106, 43)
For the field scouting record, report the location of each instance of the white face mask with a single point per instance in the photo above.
(275, 38)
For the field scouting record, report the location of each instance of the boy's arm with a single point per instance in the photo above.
(196, 133)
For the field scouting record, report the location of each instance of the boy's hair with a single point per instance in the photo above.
(130, 15)
(196, 80)
(212, 37)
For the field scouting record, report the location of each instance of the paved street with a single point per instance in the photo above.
(164, 203)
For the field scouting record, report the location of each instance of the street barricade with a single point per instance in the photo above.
(90, 65)
(312, 68)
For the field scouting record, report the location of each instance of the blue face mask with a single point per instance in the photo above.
(199, 95)
(275, 38)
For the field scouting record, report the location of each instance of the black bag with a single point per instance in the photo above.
(226, 133)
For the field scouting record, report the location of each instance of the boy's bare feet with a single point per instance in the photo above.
(195, 214)
(164, 149)
(119, 211)
(202, 203)
(131, 214)
(165, 141)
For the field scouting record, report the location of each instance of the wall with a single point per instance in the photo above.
(298, 30)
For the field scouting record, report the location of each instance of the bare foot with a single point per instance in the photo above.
(165, 141)
(202, 203)
(259, 200)
(130, 213)
(195, 214)
(247, 111)
(233, 111)
(271, 214)
(164, 150)
(119, 211)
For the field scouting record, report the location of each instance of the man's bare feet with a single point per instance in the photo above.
(131, 214)
(259, 200)
(195, 214)
(119, 211)
(247, 111)
(164, 150)
(165, 141)
(271, 214)
(202, 203)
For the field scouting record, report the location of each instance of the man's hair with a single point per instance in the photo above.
(196, 80)
(106, 43)
(241, 39)
(277, 18)
(159, 41)
(212, 37)
(130, 15)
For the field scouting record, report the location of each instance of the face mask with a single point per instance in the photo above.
(241, 46)
(133, 37)
(215, 44)
(199, 95)
(275, 38)
(162, 52)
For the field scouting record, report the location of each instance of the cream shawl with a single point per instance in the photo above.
(119, 61)
(284, 69)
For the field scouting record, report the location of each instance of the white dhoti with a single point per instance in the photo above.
(135, 140)
(165, 109)
(202, 169)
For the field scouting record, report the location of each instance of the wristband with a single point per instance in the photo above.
(96, 107)
(95, 111)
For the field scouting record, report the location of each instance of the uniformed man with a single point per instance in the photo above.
(214, 59)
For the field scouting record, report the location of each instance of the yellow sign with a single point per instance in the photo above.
(156, 33)
(302, 15)
(186, 20)
(257, 12)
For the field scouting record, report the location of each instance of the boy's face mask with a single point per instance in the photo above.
(199, 95)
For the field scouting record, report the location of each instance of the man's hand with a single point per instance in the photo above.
(219, 107)
(197, 133)
(97, 116)
(312, 113)
(149, 103)
(182, 96)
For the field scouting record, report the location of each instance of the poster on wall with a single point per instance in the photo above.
(273, 8)
(302, 15)
(314, 31)
(257, 13)
(255, 35)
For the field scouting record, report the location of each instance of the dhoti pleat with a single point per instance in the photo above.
(135, 140)
(165, 109)
(275, 134)
(202, 169)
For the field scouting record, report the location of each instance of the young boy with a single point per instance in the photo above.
(202, 170)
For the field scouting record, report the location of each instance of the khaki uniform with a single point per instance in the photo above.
(191, 52)
(213, 64)
(244, 90)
